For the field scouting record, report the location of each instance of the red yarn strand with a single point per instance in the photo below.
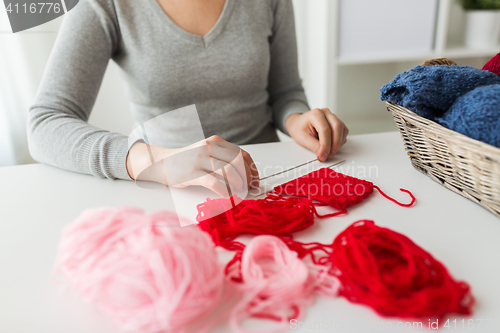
(341, 212)
(394, 200)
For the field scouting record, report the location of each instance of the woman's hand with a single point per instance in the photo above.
(318, 130)
(209, 163)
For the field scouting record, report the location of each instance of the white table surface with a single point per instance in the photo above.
(37, 201)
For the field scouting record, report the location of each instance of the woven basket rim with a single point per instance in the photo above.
(461, 164)
(482, 146)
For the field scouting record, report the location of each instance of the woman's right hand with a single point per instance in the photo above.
(212, 163)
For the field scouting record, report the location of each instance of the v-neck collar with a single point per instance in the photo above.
(200, 40)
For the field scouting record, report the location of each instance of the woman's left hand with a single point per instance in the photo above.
(318, 130)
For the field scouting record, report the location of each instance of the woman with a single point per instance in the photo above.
(236, 60)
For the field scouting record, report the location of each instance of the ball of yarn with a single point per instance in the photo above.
(493, 65)
(430, 91)
(277, 285)
(477, 115)
(143, 270)
(387, 271)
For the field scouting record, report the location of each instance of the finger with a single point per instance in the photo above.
(230, 174)
(337, 127)
(215, 138)
(232, 154)
(346, 132)
(209, 181)
(308, 141)
(233, 178)
(223, 151)
(240, 165)
(252, 171)
(322, 127)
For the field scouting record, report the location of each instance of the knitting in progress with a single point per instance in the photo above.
(334, 189)
(476, 115)
(291, 207)
(144, 271)
(430, 91)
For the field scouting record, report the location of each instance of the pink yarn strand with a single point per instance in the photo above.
(279, 288)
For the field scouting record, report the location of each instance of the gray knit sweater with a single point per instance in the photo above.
(242, 76)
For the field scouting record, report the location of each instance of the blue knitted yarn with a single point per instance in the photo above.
(431, 90)
(477, 115)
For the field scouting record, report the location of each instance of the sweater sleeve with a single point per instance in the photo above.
(286, 94)
(58, 132)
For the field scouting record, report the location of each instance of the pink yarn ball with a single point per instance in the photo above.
(143, 270)
(277, 284)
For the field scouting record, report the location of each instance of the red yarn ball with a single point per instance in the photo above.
(493, 65)
(388, 272)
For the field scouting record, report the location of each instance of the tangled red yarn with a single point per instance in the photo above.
(388, 272)
(290, 208)
(273, 215)
(493, 65)
(376, 266)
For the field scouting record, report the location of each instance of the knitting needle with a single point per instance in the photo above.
(295, 167)
(298, 166)
(336, 164)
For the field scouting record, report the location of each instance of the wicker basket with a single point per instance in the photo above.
(464, 165)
